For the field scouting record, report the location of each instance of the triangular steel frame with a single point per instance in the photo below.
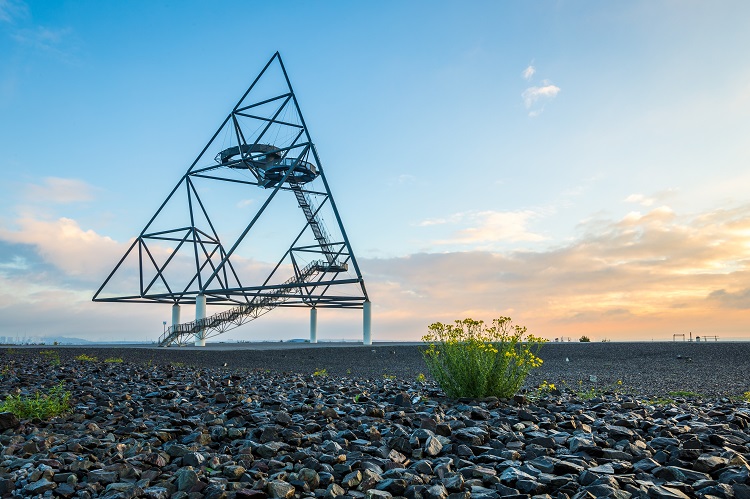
(291, 166)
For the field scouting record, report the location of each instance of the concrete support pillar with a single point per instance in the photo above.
(175, 314)
(313, 325)
(366, 333)
(200, 313)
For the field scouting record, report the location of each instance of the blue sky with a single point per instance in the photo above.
(580, 166)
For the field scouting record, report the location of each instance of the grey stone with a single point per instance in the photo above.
(8, 420)
(280, 488)
(39, 487)
(661, 492)
(156, 492)
(186, 479)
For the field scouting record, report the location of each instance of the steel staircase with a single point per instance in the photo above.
(235, 317)
(315, 224)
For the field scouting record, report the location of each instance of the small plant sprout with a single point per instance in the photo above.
(113, 360)
(320, 373)
(86, 358)
(421, 378)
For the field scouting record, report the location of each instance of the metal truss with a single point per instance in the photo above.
(265, 146)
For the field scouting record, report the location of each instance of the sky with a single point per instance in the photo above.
(581, 167)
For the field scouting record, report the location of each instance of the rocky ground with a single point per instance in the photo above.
(178, 423)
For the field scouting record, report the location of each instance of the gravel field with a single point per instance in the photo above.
(648, 368)
(179, 424)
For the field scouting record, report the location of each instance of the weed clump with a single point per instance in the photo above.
(470, 359)
(41, 405)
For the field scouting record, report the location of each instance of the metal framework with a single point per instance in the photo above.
(264, 147)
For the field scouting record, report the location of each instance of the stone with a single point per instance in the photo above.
(280, 488)
(661, 492)
(334, 490)
(194, 459)
(436, 491)
(156, 492)
(39, 487)
(377, 494)
(8, 420)
(432, 446)
(402, 400)
(186, 479)
(233, 472)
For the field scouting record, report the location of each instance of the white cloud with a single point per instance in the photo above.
(535, 97)
(528, 72)
(532, 95)
(10, 10)
(60, 190)
(639, 199)
(64, 244)
(477, 228)
(644, 275)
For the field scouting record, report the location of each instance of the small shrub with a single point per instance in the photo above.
(42, 406)
(746, 396)
(584, 339)
(421, 378)
(320, 373)
(113, 360)
(86, 358)
(469, 359)
(52, 355)
(685, 394)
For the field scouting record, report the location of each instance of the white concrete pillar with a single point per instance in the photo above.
(200, 313)
(313, 325)
(175, 315)
(366, 333)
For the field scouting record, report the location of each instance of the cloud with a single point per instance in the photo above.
(739, 299)
(60, 190)
(641, 275)
(647, 201)
(11, 10)
(534, 95)
(528, 72)
(485, 227)
(42, 38)
(64, 244)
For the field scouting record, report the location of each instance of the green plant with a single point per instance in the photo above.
(584, 339)
(469, 359)
(177, 364)
(320, 373)
(86, 358)
(113, 360)
(421, 378)
(685, 394)
(52, 355)
(746, 396)
(389, 377)
(40, 405)
(357, 397)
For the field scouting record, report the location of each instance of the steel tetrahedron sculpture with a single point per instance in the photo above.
(257, 188)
